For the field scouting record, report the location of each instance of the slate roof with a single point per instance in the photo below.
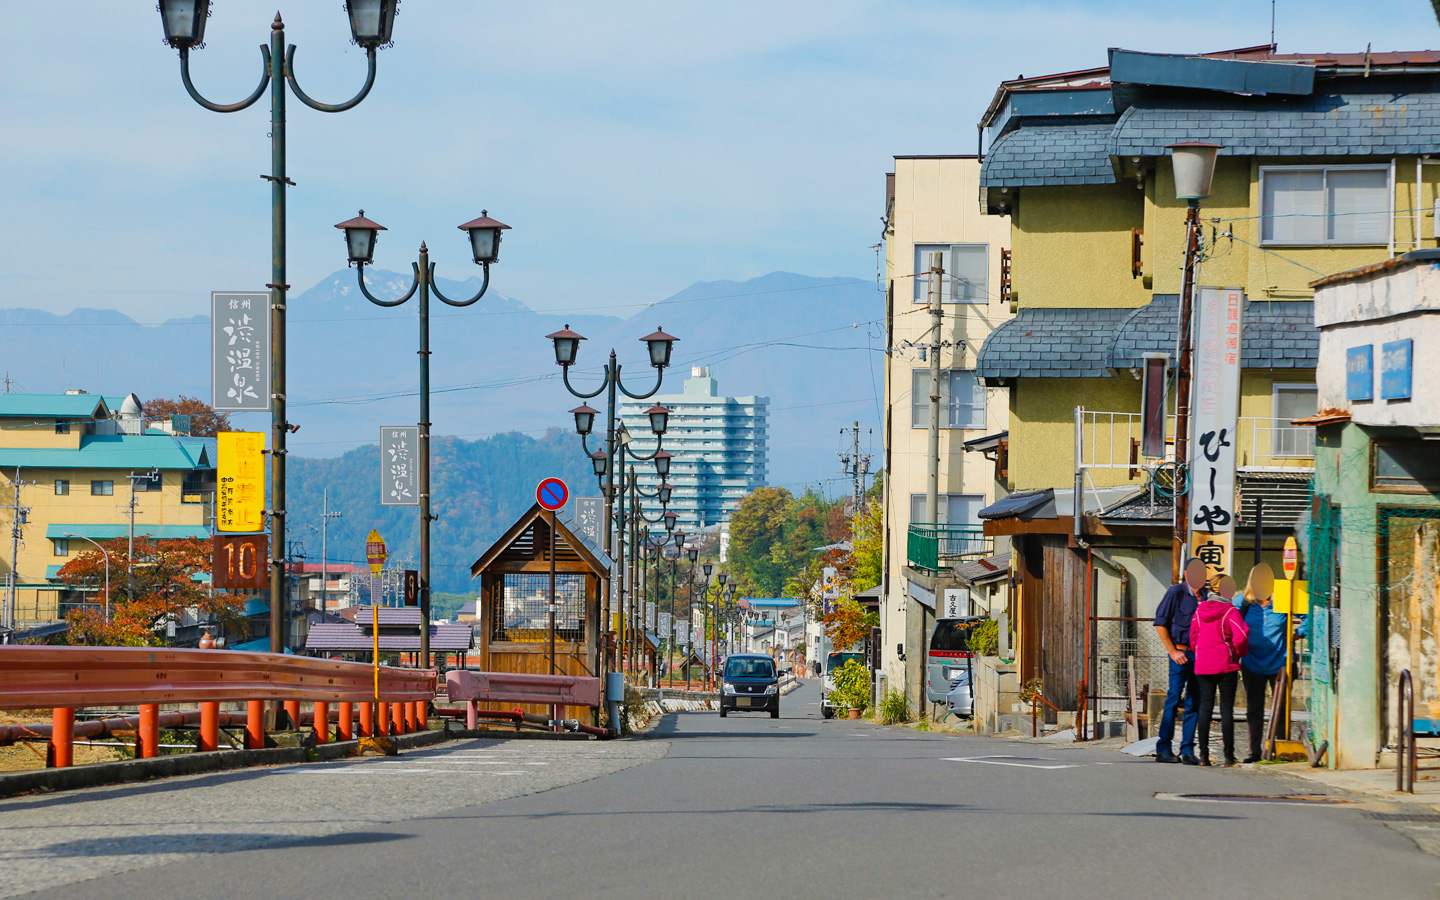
(1140, 508)
(1050, 154)
(1058, 343)
(1278, 334)
(1379, 124)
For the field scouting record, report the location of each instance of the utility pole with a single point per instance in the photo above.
(932, 449)
(1182, 393)
(325, 516)
(130, 553)
(17, 520)
(856, 466)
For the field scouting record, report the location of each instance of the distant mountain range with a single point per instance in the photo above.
(813, 345)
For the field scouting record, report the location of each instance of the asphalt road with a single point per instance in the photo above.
(703, 807)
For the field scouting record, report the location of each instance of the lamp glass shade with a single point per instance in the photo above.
(724, 578)
(360, 244)
(670, 518)
(601, 463)
(371, 21)
(659, 418)
(692, 553)
(664, 492)
(662, 463)
(707, 568)
(660, 344)
(567, 345)
(184, 22)
(1194, 165)
(485, 244)
(584, 419)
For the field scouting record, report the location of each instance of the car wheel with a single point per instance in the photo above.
(722, 712)
(826, 712)
(775, 713)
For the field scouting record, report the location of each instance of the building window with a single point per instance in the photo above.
(1404, 467)
(62, 487)
(102, 488)
(62, 546)
(1293, 401)
(962, 399)
(967, 272)
(62, 427)
(953, 509)
(1325, 205)
(151, 481)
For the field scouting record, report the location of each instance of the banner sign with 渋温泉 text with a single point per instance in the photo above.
(399, 445)
(240, 351)
(1214, 425)
(240, 477)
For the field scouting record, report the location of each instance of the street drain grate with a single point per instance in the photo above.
(1259, 798)
(1404, 817)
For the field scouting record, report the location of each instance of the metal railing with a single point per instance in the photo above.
(1112, 440)
(933, 547)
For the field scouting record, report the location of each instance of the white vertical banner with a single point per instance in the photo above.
(399, 449)
(240, 351)
(1214, 424)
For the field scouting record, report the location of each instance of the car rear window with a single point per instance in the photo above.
(749, 668)
(837, 660)
(952, 635)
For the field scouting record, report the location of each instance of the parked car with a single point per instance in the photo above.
(961, 699)
(750, 682)
(949, 653)
(833, 662)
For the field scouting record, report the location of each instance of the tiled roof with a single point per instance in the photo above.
(113, 451)
(1054, 343)
(111, 532)
(344, 636)
(1278, 334)
(1050, 154)
(51, 406)
(1140, 508)
(1380, 124)
(986, 569)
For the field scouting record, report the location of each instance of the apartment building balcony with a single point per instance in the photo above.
(936, 548)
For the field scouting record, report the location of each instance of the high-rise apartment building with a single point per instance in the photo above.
(719, 446)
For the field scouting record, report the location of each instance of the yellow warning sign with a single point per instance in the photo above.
(240, 472)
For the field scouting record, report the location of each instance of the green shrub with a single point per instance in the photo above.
(985, 638)
(894, 708)
(852, 686)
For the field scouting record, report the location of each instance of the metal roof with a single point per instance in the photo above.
(114, 451)
(344, 636)
(53, 406)
(1018, 504)
(1241, 76)
(110, 532)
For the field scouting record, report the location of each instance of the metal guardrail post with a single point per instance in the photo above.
(321, 722)
(209, 737)
(149, 732)
(344, 729)
(1405, 745)
(62, 738)
(255, 724)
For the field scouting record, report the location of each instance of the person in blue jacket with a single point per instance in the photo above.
(1260, 667)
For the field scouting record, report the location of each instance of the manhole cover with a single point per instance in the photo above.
(1257, 798)
(1404, 817)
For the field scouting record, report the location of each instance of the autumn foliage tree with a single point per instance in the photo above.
(204, 421)
(164, 585)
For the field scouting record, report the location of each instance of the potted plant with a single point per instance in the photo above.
(852, 688)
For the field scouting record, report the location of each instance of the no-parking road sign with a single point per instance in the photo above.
(552, 494)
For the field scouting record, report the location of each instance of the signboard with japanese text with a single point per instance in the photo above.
(682, 628)
(1396, 363)
(956, 603)
(664, 624)
(375, 552)
(240, 561)
(240, 351)
(588, 513)
(399, 445)
(1213, 549)
(649, 611)
(240, 481)
(412, 587)
(1214, 423)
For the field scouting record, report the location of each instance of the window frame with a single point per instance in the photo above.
(948, 248)
(943, 507)
(1389, 210)
(107, 488)
(60, 546)
(62, 427)
(947, 390)
(1276, 389)
(62, 487)
(1417, 486)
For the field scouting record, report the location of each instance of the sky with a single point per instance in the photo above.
(635, 148)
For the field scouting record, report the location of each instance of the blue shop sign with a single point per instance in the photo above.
(1395, 366)
(1360, 373)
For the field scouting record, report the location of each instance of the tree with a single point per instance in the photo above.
(757, 529)
(165, 584)
(869, 545)
(204, 421)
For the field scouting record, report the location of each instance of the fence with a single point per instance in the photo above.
(1118, 641)
(1112, 440)
(930, 547)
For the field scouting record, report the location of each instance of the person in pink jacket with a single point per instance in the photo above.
(1220, 639)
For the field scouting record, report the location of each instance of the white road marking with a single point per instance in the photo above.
(1027, 763)
(371, 770)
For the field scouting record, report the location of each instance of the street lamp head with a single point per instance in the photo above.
(484, 238)
(371, 21)
(360, 235)
(1194, 165)
(679, 540)
(567, 345)
(670, 516)
(584, 418)
(660, 345)
(707, 568)
(184, 22)
(724, 578)
(659, 418)
(662, 463)
(664, 492)
(692, 552)
(601, 462)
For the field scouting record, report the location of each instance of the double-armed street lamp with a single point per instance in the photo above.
(484, 234)
(371, 22)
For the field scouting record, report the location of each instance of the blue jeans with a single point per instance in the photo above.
(1184, 686)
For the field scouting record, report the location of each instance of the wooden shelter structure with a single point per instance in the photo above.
(513, 631)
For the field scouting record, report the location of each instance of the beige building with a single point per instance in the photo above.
(932, 205)
(70, 466)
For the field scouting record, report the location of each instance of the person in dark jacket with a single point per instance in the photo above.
(1172, 623)
(1261, 666)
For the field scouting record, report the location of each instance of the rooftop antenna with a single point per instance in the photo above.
(1273, 48)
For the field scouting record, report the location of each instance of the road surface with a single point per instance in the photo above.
(705, 807)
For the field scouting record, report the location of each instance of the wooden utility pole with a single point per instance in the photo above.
(1182, 395)
(932, 449)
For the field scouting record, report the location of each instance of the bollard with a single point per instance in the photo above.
(209, 737)
(344, 729)
(382, 720)
(255, 724)
(149, 730)
(62, 738)
(472, 719)
(322, 722)
(292, 712)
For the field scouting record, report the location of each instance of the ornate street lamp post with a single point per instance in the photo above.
(371, 22)
(484, 236)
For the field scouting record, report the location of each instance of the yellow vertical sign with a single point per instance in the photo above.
(240, 474)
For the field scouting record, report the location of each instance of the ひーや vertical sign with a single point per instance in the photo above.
(1215, 402)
